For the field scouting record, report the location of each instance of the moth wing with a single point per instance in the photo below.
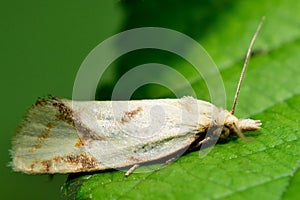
(139, 131)
(47, 141)
(63, 136)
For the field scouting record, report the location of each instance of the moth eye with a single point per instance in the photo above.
(229, 125)
(225, 133)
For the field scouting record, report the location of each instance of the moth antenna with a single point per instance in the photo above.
(248, 55)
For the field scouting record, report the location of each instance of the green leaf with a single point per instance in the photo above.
(266, 168)
(263, 168)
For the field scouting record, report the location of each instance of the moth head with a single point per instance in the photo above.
(235, 126)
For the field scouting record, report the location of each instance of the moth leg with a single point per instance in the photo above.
(170, 161)
(202, 142)
(131, 169)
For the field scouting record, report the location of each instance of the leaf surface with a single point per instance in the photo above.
(266, 168)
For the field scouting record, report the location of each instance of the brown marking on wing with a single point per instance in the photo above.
(42, 137)
(58, 159)
(66, 114)
(87, 135)
(133, 159)
(128, 115)
(34, 162)
(86, 162)
(81, 161)
(79, 144)
(41, 101)
(46, 165)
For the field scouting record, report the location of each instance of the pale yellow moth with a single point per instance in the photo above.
(64, 136)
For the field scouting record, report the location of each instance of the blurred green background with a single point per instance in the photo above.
(43, 44)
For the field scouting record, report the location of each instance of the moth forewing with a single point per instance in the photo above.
(63, 136)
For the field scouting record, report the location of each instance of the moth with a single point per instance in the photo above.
(65, 136)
